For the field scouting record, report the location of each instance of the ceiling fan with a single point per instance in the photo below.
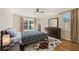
(38, 10)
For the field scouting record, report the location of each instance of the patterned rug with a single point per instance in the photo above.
(53, 42)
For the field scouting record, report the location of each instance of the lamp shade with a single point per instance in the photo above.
(5, 40)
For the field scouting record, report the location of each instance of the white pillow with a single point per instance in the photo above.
(11, 31)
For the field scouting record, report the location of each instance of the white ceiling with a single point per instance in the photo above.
(31, 12)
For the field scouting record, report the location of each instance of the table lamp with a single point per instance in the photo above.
(5, 39)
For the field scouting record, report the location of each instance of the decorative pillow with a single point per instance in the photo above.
(11, 31)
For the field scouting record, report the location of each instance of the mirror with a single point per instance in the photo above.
(53, 22)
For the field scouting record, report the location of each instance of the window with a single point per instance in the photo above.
(29, 24)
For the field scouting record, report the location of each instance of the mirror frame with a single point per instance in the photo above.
(52, 19)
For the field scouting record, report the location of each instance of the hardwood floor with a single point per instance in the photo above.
(67, 46)
(64, 46)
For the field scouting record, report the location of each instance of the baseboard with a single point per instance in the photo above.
(66, 39)
(71, 41)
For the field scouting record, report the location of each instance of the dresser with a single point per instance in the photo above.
(53, 32)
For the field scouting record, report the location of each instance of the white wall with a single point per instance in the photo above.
(5, 18)
(44, 23)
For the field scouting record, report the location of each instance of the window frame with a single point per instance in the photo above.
(29, 19)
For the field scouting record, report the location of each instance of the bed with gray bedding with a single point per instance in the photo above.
(28, 37)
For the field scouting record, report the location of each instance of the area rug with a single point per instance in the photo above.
(53, 42)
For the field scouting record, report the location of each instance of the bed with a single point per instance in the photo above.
(26, 37)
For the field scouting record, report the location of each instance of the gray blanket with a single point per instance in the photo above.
(32, 36)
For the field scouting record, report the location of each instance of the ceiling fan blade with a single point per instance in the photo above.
(39, 10)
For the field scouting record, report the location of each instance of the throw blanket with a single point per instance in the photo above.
(32, 36)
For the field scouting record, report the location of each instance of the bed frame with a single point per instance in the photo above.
(22, 46)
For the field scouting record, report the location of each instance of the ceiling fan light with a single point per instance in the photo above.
(37, 13)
